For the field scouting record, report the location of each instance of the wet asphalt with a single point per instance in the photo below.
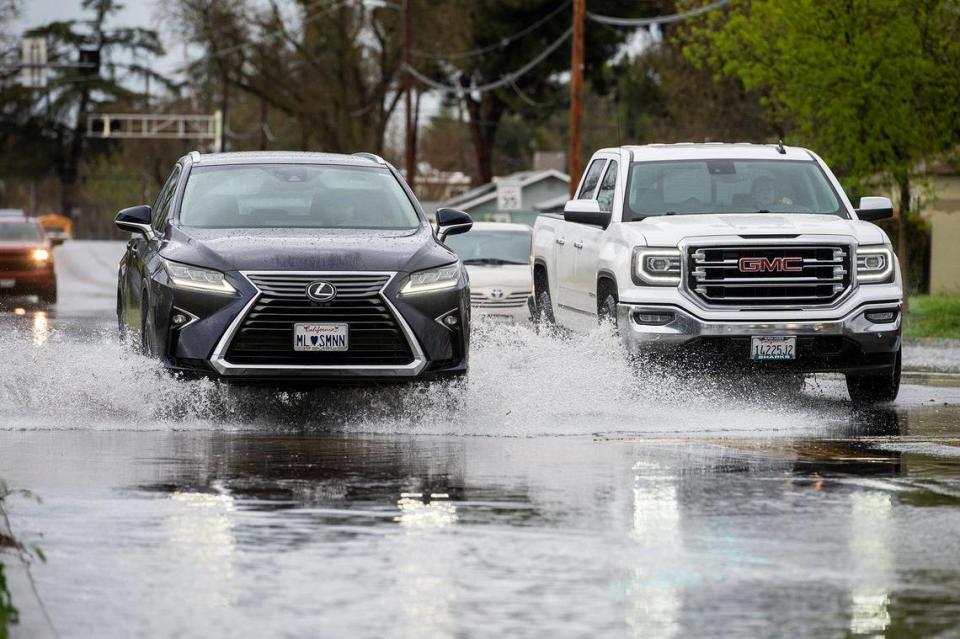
(548, 496)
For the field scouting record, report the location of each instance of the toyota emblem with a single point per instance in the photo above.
(321, 291)
(496, 293)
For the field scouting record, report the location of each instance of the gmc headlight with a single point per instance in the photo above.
(198, 279)
(434, 279)
(657, 266)
(874, 264)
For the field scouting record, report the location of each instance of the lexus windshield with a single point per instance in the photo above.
(492, 247)
(691, 187)
(295, 196)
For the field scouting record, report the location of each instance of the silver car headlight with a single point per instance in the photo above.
(657, 266)
(874, 264)
(434, 279)
(197, 279)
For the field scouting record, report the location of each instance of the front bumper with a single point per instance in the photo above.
(28, 282)
(845, 344)
(202, 347)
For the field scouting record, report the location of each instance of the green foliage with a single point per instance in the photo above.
(872, 85)
(8, 612)
(933, 316)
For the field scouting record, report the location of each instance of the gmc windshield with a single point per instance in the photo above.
(690, 187)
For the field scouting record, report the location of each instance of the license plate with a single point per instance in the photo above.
(773, 348)
(321, 337)
(8, 283)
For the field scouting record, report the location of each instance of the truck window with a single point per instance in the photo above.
(590, 182)
(607, 187)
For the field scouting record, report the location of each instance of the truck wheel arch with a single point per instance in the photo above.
(607, 281)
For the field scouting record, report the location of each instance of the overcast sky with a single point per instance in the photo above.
(135, 13)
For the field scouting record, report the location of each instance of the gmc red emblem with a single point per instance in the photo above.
(775, 265)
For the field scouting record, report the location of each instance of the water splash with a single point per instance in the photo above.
(521, 383)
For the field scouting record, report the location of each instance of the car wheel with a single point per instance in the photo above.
(49, 295)
(607, 309)
(545, 309)
(146, 326)
(871, 389)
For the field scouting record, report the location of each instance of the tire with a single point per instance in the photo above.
(872, 389)
(607, 307)
(146, 326)
(48, 295)
(543, 305)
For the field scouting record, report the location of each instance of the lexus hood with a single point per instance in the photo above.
(671, 230)
(305, 249)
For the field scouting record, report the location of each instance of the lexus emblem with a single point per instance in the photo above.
(321, 291)
(496, 293)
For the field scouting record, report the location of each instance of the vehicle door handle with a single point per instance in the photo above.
(578, 245)
(561, 241)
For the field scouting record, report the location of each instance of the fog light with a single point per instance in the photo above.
(451, 320)
(881, 317)
(655, 319)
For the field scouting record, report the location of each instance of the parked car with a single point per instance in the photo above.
(284, 267)
(497, 257)
(750, 254)
(26, 260)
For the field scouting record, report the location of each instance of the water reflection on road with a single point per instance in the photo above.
(438, 536)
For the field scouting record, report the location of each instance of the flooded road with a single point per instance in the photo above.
(557, 492)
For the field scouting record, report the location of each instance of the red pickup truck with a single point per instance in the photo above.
(26, 260)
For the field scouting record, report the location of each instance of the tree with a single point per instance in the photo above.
(872, 85)
(55, 118)
(505, 34)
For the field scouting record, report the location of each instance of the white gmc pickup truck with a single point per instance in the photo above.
(740, 254)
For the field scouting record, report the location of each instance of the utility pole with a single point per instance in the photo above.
(409, 144)
(576, 93)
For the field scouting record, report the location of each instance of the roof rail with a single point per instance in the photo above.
(370, 156)
(194, 156)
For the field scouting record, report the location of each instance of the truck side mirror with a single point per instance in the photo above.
(586, 212)
(135, 219)
(875, 208)
(452, 222)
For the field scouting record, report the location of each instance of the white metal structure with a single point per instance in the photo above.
(703, 275)
(157, 126)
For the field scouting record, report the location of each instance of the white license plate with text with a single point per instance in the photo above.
(321, 337)
(773, 348)
(8, 283)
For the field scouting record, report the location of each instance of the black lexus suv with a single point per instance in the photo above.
(294, 267)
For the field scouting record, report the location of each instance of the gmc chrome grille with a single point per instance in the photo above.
(783, 275)
(265, 336)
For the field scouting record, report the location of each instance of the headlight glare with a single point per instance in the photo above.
(874, 265)
(41, 255)
(434, 279)
(198, 279)
(657, 266)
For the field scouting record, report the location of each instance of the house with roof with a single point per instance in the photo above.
(513, 198)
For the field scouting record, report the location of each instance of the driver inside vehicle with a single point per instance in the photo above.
(763, 193)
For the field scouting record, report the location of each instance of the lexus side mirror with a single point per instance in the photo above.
(452, 222)
(586, 212)
(135, 219)
(875, 208)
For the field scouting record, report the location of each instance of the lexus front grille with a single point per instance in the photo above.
(767, 276)
(265, 335)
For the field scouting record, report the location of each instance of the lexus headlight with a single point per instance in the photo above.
(874, 264)
(197, 279)
(657, 266)
(434, 279)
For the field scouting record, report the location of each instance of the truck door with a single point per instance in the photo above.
(568, 312)
(587, 242)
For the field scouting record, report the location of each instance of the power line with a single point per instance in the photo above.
(646, 22)
(503, 42)
(503, 81)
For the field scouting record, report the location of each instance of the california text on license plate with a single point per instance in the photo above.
(320, 337)
(767, 348)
